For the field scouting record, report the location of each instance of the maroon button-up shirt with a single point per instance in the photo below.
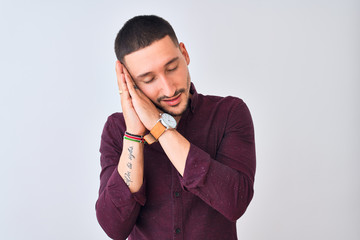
(215, 190)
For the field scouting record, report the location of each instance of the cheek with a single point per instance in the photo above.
(149, 92)
(182, 76)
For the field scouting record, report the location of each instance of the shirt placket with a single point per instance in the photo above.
(177, 206)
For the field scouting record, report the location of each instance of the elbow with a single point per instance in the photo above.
(106, 220)
(236, 213)
(102, 220)
(240, 205)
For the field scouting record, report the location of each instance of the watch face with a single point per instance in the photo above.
(168, 121)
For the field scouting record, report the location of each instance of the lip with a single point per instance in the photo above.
(173, 101)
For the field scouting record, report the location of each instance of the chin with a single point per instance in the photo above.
(175, 111)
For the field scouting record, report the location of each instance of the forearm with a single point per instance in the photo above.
(131, 164)
(117, 208)
(225, 189)
(176, 148)
(206, 177)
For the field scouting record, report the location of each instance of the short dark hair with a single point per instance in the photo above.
(140, 32)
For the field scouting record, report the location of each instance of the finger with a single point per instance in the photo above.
(123, 90)
(124, 93)
(130, 83)
(118, 67)
(119, 74)
(126, 101)
(126, 72)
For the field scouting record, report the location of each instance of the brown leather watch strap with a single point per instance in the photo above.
(149, 139)
(155, 133)
(157, 130)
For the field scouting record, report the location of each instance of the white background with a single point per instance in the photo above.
(295, 63)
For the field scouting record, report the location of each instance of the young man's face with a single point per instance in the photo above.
(160, 71)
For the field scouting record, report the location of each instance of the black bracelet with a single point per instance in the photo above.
(133, 135)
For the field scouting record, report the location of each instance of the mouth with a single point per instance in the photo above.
(173, 101)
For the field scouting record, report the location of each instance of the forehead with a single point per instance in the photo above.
(152, 57)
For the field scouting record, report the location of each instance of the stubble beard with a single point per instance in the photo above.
(182, 91)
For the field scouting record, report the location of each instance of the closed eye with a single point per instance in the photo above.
(172, 69)
(149, 81)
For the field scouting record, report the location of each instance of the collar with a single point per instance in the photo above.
(194, 98)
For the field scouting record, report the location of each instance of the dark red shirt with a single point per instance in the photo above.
(215, 190)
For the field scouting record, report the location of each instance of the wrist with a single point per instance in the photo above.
(165, 122)
(136, 132)
(153, 120)
(134, 138)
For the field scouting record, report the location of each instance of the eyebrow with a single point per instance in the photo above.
(168, 63)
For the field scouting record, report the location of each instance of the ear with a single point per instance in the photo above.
(184, 53)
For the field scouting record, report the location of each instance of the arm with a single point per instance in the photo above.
(225, 181)
(122, 191)
(117, 207)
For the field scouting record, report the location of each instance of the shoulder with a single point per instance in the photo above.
(225, 103)
(118, 116)
(230, 110)
(115, 123)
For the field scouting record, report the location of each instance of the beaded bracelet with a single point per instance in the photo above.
(133, 137)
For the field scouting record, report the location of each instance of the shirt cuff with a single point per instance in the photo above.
(120, 193)
(196, 168)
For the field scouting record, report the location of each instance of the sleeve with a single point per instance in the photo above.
(226, 182)
(116, 208)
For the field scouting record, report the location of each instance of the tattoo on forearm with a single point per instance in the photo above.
(127, 175)
(129, 165)
(131, 156)
(128, 178)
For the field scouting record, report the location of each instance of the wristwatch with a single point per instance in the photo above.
(165, 122)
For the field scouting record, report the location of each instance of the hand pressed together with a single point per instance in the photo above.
(139, 112)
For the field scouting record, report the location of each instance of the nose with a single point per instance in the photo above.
(167, 86)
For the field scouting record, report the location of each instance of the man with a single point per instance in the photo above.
(175, 164)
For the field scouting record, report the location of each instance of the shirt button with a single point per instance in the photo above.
(178, 230)
(177, 194)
